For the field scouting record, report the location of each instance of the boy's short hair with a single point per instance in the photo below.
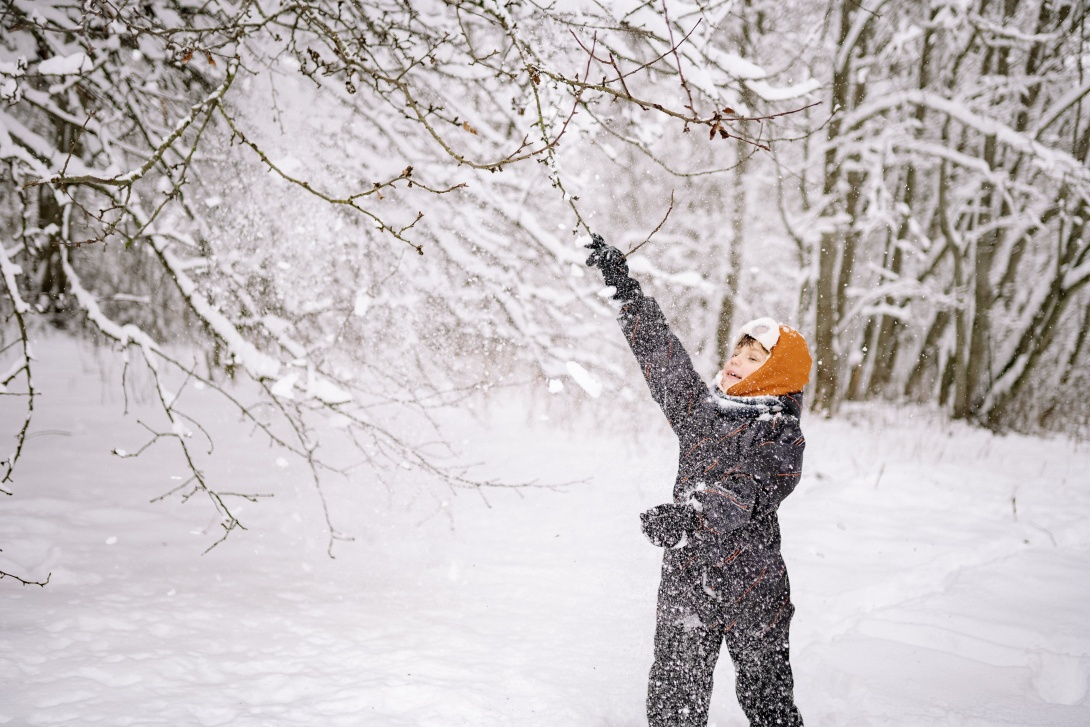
(746, 340)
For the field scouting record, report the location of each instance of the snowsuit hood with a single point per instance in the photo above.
(786, 371)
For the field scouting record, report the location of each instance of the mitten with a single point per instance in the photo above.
(665, 525)
(611, 262)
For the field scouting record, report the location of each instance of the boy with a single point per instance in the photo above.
(723, 578)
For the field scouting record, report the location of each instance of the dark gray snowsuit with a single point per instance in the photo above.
(739, 457)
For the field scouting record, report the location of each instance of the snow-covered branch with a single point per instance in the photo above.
(1052, 161)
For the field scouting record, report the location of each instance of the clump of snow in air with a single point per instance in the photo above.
(938, 572)
(586, 381)
(361, 304)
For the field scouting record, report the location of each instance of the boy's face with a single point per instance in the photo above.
(744, 361)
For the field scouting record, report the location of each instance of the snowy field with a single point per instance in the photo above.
(940, 576)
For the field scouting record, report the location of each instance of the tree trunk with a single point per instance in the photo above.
(826, 303)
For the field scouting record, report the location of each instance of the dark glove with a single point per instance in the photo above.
(665, 524)
(611, 262)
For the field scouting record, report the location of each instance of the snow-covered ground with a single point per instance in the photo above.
(940, 575)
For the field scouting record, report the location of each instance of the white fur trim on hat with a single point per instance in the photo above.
(765, 330)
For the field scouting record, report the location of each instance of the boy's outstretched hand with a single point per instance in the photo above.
(611, 262)
(664, 525)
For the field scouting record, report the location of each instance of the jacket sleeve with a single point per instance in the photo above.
(763, 469)
(667, 368)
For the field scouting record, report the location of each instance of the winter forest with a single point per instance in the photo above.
(309, 276)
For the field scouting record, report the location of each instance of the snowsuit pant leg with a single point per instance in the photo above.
(763, 680)
(680, 684)
(679, 688)
(760, 610)
(755, 627)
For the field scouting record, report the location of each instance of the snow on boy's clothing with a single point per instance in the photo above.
(739, 457)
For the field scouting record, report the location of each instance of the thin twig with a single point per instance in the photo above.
(677, 56)
(24, 581)
(657, 228)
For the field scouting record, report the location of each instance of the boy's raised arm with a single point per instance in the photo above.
(667, 368)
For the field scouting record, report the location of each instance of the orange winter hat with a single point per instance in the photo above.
(787, 369)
